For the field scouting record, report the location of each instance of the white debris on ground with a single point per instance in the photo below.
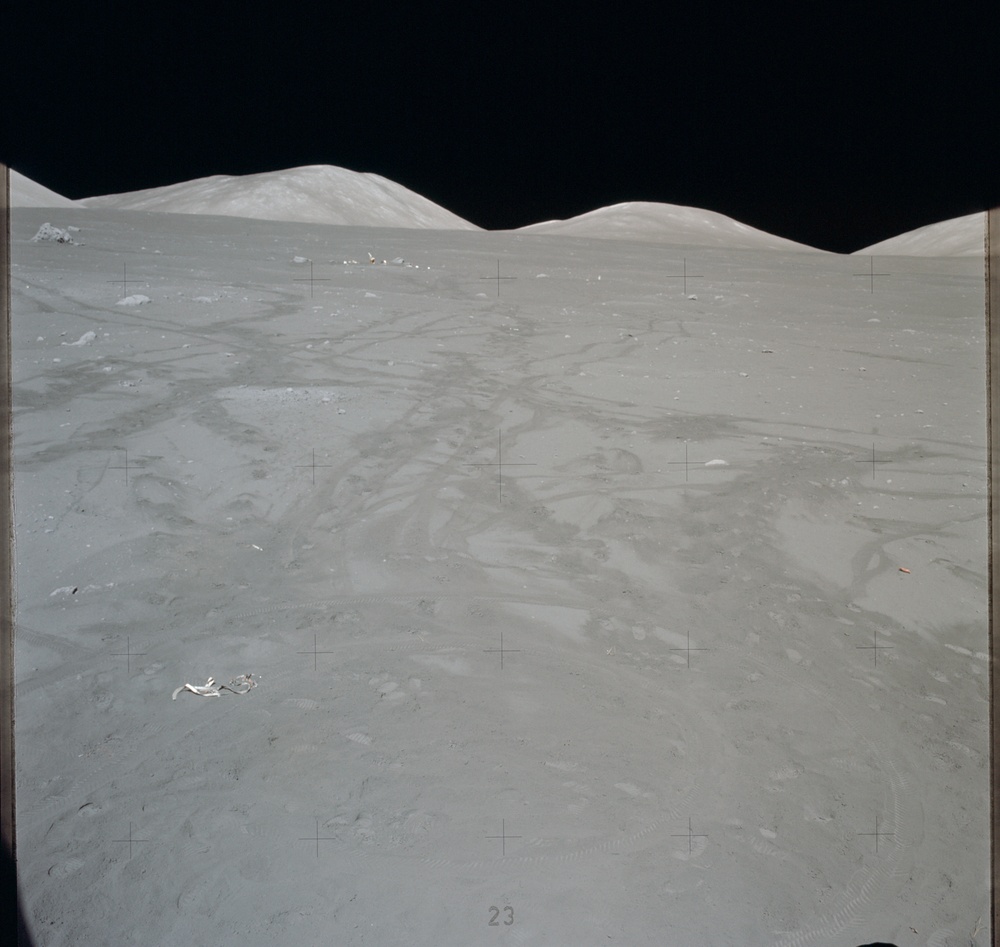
(325, 479)
(137, 300)
(84, 339)
(211, 688)
(64, 590)
(396, 261)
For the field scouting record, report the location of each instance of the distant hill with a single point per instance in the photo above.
(647, 222)
(962, 236)
(316, 194)
(26, 193)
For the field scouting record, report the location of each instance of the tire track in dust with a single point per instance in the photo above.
(572, 851)
(858, 893)
(854, 898)
(141, 744)
(672, 812)
(392, 598)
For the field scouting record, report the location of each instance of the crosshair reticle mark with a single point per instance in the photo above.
(874, 647)
(501, 650)
(877, 834)
(498, 278)
(311, 280)
(689, 835)
(871, 274)
(312, 466)
(503, 836)
(124, 281)
(317, 838)
(315, 651)
(873, 461)
(131, 840)
(685, 276)
(686, 462)
(126, 466)
(499, 463)
(689, 649)
(128, 653)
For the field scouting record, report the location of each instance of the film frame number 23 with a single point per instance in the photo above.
(494, 920)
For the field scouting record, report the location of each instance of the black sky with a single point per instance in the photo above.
(835, 124)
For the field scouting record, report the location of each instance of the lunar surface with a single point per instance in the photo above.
(596, 591)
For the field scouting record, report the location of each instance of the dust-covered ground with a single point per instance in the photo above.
(583, 609)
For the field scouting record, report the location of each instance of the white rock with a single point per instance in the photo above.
(53, 234)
